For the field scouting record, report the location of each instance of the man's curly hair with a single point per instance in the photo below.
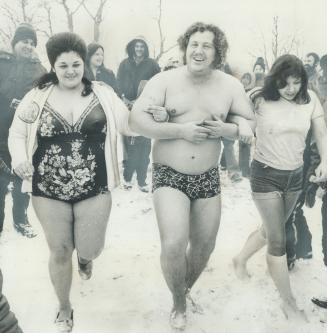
(219, 41)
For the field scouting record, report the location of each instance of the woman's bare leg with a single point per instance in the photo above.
(56, 218)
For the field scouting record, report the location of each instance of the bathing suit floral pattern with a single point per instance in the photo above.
(69, 161)
(69, 177)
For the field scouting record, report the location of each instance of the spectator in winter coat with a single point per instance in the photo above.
(18, 71)
(95, 69)
(133, 71)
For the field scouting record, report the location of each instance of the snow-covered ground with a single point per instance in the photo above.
(127, 293)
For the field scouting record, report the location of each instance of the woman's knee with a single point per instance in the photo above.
(62, 254)
(90, 253)
(277, 247)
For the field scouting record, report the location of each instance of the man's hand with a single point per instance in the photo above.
(320, 174)
(159, 113)
(195, 132)
(24, 170)
(215, 126)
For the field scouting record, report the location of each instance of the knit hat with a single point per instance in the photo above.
(65, 42)
(260, 62)
(24, 31)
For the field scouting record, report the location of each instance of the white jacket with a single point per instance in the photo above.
(22, 140)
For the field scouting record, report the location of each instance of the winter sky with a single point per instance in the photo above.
(245, 23)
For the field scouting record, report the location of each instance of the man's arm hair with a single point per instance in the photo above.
(142, 121)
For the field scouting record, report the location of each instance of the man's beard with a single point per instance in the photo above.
(311, 70)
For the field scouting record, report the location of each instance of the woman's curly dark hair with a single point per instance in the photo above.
(219, 41)
(285, 66)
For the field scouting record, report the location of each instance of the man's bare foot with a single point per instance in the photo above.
(178, 320)
(292, 312)
(240, 269)
(65, 321)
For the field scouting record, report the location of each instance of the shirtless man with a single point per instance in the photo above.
(186, 188)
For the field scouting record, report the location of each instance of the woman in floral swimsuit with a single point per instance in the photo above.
(64, 135)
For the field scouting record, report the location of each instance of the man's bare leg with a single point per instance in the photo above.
(173, 212)
(205, 219)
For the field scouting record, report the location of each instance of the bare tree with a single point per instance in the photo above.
(46, 5)
(97, 18)
(162, 48)
(281, 42)
(70, 12)
(12, 19)
(14, 14)
(275, 38)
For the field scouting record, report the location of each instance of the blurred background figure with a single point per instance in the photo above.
(311, 62)
(133, 72)
(244, 150)
(95, 69)
(259, 69)
(299, 237)
(172, 63)
(227, 160)
(18, 71)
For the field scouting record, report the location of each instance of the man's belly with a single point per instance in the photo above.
(187, 157)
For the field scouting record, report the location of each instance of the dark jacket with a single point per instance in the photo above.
(105, 75)
(8, 321)
(130, 74)
(16, 79)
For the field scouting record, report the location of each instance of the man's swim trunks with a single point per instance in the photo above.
(203, 186)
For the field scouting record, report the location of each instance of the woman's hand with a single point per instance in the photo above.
(245, 133)
(24, 170)
(215, 126)
(128, 103)
(320, 174)
(159, 113)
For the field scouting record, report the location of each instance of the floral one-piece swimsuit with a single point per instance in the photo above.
(69, 162)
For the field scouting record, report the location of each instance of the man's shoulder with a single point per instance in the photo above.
(152, 61)
(230, 83)
(6, 55)
(124, 62)
(173, 75)
(227, 78)
(35, 60)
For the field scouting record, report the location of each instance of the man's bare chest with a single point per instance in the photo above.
(193, 105)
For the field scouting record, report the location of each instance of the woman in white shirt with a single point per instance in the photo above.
(285, 110)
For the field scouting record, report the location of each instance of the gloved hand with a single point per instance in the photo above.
(310, 195)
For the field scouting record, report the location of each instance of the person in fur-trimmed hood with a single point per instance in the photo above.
(133, 72)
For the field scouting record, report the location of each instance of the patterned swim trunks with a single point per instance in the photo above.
(203, 186)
